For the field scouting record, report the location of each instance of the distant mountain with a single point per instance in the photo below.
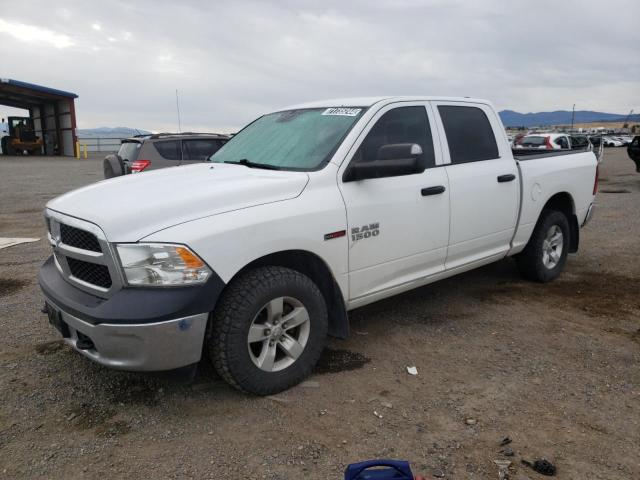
(559, 117)
(110, 132)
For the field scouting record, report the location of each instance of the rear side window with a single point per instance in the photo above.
(400, 125)
(562, 142)
(469, 134)
(200, 149)
(532, 141)
(169, 149)
(579, 142)
(129, 151)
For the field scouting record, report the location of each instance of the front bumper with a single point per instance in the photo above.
(139, 347)
(140, 329)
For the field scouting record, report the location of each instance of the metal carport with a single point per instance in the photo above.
(52, 111)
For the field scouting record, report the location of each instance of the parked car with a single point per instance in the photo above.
(612, 142)
(151, 152)
(307, 213)
(625, 139)
(545, 141)
(634, 152)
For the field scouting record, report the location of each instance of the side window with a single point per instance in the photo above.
(200, 149)
(400, 125)
(469, 134)
(562, 142)
(579, 142)
(169, 149)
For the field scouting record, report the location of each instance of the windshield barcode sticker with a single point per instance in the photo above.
(345, 112)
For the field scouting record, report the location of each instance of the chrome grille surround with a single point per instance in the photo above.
(61, 251)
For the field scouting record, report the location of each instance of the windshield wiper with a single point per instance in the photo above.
(250, 164)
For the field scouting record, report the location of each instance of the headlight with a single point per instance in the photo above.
(160, 265)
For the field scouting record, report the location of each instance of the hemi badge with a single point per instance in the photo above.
(332, 235)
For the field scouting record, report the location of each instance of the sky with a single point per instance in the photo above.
(232, 61)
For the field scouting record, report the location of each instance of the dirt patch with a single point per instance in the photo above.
(47, 348)
(134, 389)
(334, 361)
(594, 293)
(86, 416)
(632, 334)
(17, 264)
(30, 210)
(113, 429)
(615, 190)
(9, 286)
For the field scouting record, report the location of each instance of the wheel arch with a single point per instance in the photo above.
(563, 202)
(317, 270)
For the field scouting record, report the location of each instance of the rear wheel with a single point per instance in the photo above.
(111, 167)
(268, 330)
(545, 255)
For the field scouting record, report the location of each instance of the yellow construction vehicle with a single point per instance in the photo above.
(21, 137)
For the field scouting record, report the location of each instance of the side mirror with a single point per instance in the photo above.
(392, 160)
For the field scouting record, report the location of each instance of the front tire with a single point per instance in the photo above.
(8, 148)
(545, 255)
(268, 330)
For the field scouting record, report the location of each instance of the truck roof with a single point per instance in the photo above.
(369, 101)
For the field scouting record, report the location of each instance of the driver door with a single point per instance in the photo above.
(398, 226)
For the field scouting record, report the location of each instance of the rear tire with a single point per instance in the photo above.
(545, 255)
(111, 167)
(268, 330)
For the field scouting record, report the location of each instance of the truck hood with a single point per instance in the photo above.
(134, 206)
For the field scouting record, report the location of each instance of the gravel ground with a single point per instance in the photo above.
(553, 367)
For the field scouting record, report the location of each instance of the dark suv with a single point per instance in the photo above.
(160, 150)
(634, 151)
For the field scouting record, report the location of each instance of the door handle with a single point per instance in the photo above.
(432, 190)
(506, 178)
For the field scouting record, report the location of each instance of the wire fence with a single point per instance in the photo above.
(100, 144)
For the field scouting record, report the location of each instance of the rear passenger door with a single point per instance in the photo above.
(199, 150)
(483, 182)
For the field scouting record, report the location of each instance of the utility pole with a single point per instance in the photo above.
(573, 113)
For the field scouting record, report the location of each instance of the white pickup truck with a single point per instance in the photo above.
(307, 213)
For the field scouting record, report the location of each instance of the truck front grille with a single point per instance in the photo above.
(74, 237)
(83, 254)
(90, 272)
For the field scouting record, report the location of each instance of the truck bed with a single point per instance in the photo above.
(534, 153)
(572, 172)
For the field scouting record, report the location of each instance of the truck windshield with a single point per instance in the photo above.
(290, 140)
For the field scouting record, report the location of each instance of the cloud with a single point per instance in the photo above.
(33, 34)
(232, 61)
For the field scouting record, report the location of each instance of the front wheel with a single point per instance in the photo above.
(545, 255)
(8, 148)
(268, 330)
